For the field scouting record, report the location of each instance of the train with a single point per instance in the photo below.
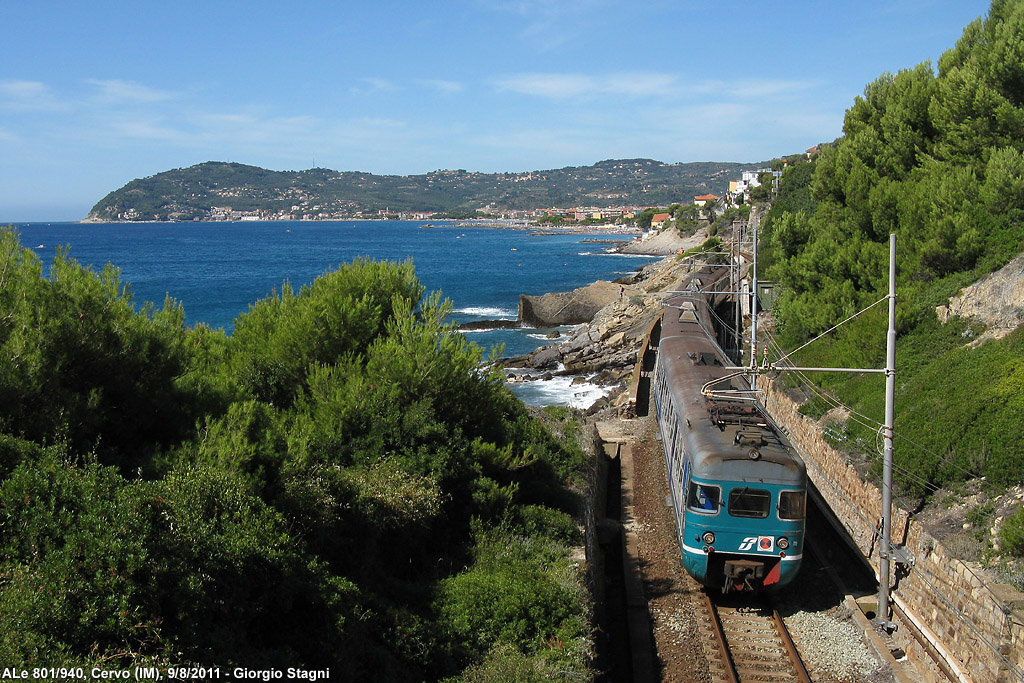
(738, 487)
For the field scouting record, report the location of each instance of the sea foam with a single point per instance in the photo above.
(488, 312)
(558, 391)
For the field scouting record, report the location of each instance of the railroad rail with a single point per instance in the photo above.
(753, 642)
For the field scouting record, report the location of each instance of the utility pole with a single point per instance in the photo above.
(738, 235)
(753, 310)
(886, 552)
(885, 549)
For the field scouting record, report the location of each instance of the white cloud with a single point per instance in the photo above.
(23, 89)
(767, 88)
(371, 85)
(548, 24)
(116, 91)
(640, 84)
(664, 86)
(565, 86)
(556, 86)
(20, 95)
(447, 87)
(252, 127)
(380, 122)
(145, 128)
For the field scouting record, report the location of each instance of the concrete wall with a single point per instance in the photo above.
(979, 623)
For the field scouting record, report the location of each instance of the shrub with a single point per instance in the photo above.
(544, 522)
(189, 569)
(84, 364)
(505, 664)
(1011, 534)
(522, 592)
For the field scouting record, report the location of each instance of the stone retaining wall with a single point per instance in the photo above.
(979, 623)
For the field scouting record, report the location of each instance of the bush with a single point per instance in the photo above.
(521, 592)
(1011, 534)
(191, 569)
(538, 521)
(505, 664)
(340, 314)
(301, 492)
(80, 582)
(85, 366)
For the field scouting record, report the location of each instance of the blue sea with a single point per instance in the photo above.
(216, 270)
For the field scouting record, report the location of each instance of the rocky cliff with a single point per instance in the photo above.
(997, 300)
(583, 304)
(567, 308)
(605, 346)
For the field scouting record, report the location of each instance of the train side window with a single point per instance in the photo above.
(792, 504)
(747, 502)
(704, 497)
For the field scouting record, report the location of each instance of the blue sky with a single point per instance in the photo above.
(95, 94)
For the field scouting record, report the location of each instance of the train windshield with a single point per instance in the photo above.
(746, 502)
(704, 497)
(792, 504)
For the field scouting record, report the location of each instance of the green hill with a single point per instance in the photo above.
(197, 192)
(937, 157)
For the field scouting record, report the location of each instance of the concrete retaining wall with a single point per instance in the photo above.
(978, 622)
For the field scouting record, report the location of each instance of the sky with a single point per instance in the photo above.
(96, 94)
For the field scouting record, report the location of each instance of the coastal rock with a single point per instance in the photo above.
(616, 339)
(581, 339)
(610, 326)
(664, 242)
(567, 308)
(546, 357)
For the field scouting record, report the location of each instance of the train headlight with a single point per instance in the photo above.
(708, 537)
(783, 543)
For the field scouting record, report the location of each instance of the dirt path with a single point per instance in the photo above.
(671, 593)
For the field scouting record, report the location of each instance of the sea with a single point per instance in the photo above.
(217, 270)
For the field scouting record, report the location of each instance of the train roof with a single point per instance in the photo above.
(727, 433)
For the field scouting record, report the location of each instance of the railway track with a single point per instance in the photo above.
(753, 642)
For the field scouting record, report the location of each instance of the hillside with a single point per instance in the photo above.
(197, 192)
(935, 156)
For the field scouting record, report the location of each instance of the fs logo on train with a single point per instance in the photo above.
(764, 544)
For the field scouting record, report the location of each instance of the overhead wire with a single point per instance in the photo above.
(870, 423)
(924, 573)
(855, 415)
(926, 576)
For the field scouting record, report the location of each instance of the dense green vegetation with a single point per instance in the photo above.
(338, 484)
(187, 194)
(938, 158)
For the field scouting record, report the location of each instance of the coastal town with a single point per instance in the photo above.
(610, 192)
(738, 193)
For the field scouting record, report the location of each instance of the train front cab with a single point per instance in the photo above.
(743, 536)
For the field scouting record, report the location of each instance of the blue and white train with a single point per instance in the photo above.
(738, 488)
